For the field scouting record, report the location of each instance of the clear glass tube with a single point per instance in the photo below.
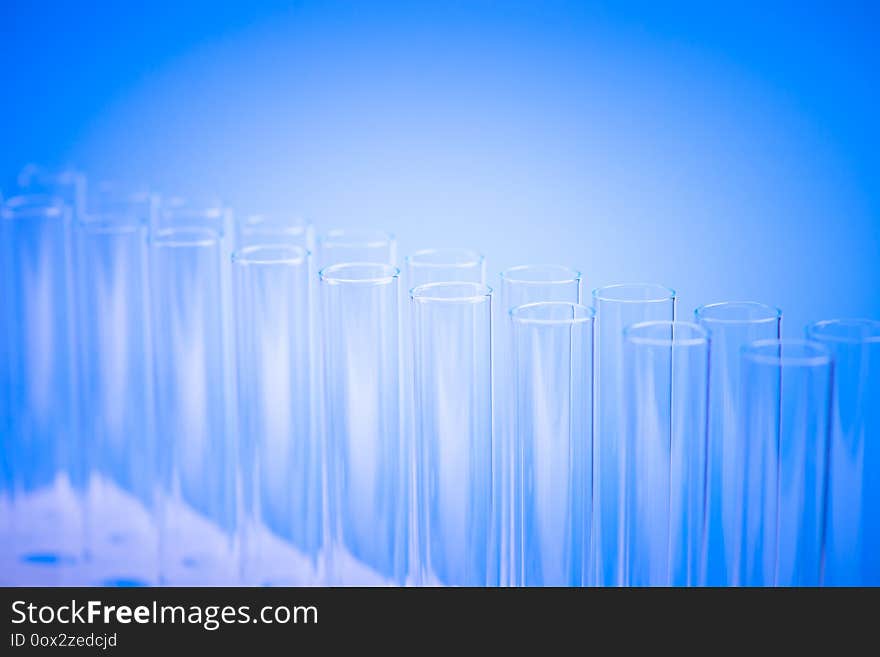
(45, 468)
(517, 286)
(786, 427)
(116, 395)
(261, 229)
(177, 212)
(352, 245)
(666, 399)
(444, 265)
(110, 198)
(65, 184)
(617, 306)
(452, 325)
(194, 420)
(280, 452)
(422, 267)
(553, 420)
(366, 453)
(852, 557)
(732, 325)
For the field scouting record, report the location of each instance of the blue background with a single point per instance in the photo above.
(730, 150)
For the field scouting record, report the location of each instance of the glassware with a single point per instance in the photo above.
(44, 461)
(366, 453)
(422, 267)
(260, 229)
(553, 426)
(852, 556)
(353, 245)
(453, 393)
(195, 421)
(281, 454)
(116, 393)
(732, 325)
(68, 185)
(617, 307)
(517, 286)
(787, 394)
(666, 396)
(444, 265)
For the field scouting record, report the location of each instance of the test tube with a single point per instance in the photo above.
(354, 245)
(666, 380)
(44, 538)
(732, 325)
(553, 420)
(116, 387)
(366, 453)
(617, 307)
(194, 419)
(261, 229)
(281, 457)
(852, 557)
(444, 265)
(453, 392)
(517, 286)
(422, 267)
(787, 398)
(68, 185)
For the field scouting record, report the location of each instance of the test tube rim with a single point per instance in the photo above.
(472, 258)
(814, 331)
(374, 238)
(245, 256)
(427, 293)
(32, 206)
(774, 314)
(330, 274)
(820, 357)
(170, 238)
(517, 312)
(572, 275)
(668, 294)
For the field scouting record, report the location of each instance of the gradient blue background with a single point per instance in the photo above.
(731, 151)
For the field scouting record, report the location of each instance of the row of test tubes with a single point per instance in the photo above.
(192, 398)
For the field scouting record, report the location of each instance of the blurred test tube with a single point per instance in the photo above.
(43, 457)
(783, 462)
(195, 421)
(853, 548)
(281, 455)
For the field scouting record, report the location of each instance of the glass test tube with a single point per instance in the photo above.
(194, 419)
(260, 229)
(732, 325)
(553, 420)
(67, 185)
(617, 306)
(666, 397)
(422, 267)
(518, 286)
(453, 392)
(346, 246)
(281, 457)
(852, 556)
(116, 391)
(43, 460)
(366, 453)
(787, 397)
